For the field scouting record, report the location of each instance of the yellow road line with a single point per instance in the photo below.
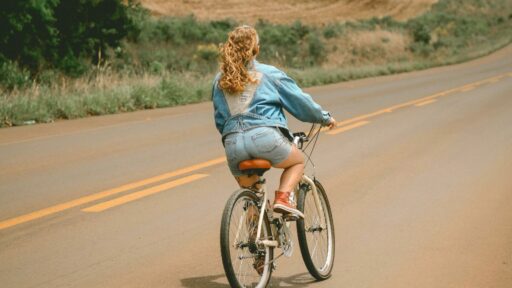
(80, 201)
(348, 127)
(425, 102)
(420, 100)
(90, 198)
(466, 89)
(143, 193)
(494, 79)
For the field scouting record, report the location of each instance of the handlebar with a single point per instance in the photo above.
(311, 138)
(299, 138)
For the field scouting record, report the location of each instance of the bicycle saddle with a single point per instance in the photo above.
(254, 166)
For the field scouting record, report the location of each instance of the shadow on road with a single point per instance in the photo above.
(297, 280)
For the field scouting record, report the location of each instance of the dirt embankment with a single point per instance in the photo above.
(286, 11)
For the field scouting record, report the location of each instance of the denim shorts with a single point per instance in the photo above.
(260, 142)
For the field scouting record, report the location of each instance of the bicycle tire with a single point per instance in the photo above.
(226, 243)
(304, 226)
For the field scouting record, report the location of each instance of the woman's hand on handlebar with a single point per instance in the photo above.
(332, 123)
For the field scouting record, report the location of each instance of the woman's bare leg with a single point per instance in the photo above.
(293, 170)
(284, 202)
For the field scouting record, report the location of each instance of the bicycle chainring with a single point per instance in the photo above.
(286, 241)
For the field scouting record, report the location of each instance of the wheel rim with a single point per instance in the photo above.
(318, 235)
(243, 251)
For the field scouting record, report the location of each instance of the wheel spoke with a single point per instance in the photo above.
(317, 232)
(242, 228)
(240, 222)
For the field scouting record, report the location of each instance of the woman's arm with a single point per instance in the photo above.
(220, 110)
(298, 103)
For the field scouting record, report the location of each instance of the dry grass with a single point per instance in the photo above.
(102, 80)
(365, 47)
(286, 11)
(158, 72)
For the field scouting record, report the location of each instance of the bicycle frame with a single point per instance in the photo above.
(298, 140)
(265, 242)
(256, 235)
(275, 243)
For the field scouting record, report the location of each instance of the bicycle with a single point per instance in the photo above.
(250, 231)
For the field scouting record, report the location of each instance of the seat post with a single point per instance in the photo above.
(258, 185)
(263, 207)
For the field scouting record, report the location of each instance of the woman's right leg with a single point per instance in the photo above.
(293, 169)
(268, 143)
(293, 166)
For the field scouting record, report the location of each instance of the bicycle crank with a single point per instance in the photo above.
(285, 238)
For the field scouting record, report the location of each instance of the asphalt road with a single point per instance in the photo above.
(419, 175)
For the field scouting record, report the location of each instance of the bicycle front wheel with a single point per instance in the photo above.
(316, 231)
(246, 264)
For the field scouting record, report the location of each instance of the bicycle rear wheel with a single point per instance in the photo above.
(316, 232)
(246, 264)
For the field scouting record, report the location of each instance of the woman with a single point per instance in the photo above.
(248, 99)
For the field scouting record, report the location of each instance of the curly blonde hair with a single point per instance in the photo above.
(235, 55)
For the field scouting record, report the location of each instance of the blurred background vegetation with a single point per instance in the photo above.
(75, 58)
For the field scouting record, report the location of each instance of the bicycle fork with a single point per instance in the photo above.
(318, 204)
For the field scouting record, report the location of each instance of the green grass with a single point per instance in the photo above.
(47, 105)
(172, 61)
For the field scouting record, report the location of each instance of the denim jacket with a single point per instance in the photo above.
(262, 103)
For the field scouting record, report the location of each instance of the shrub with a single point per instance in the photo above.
(181, 31)
(141, 66)
(294, 45)
(316, 49)
(27, 32)
(207, 52)
(332, 30)
(37, 34)
(72, 65)
(278, 42)
(12, 76)
(421, 49)
(87, 27)
(421, 33)
(300, 29)
(156, 67)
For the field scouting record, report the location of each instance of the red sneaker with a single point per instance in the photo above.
(285, 203)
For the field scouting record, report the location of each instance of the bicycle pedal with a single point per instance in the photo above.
(290, 217)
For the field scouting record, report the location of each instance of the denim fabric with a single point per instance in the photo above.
(261, 142)
(274, 92)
